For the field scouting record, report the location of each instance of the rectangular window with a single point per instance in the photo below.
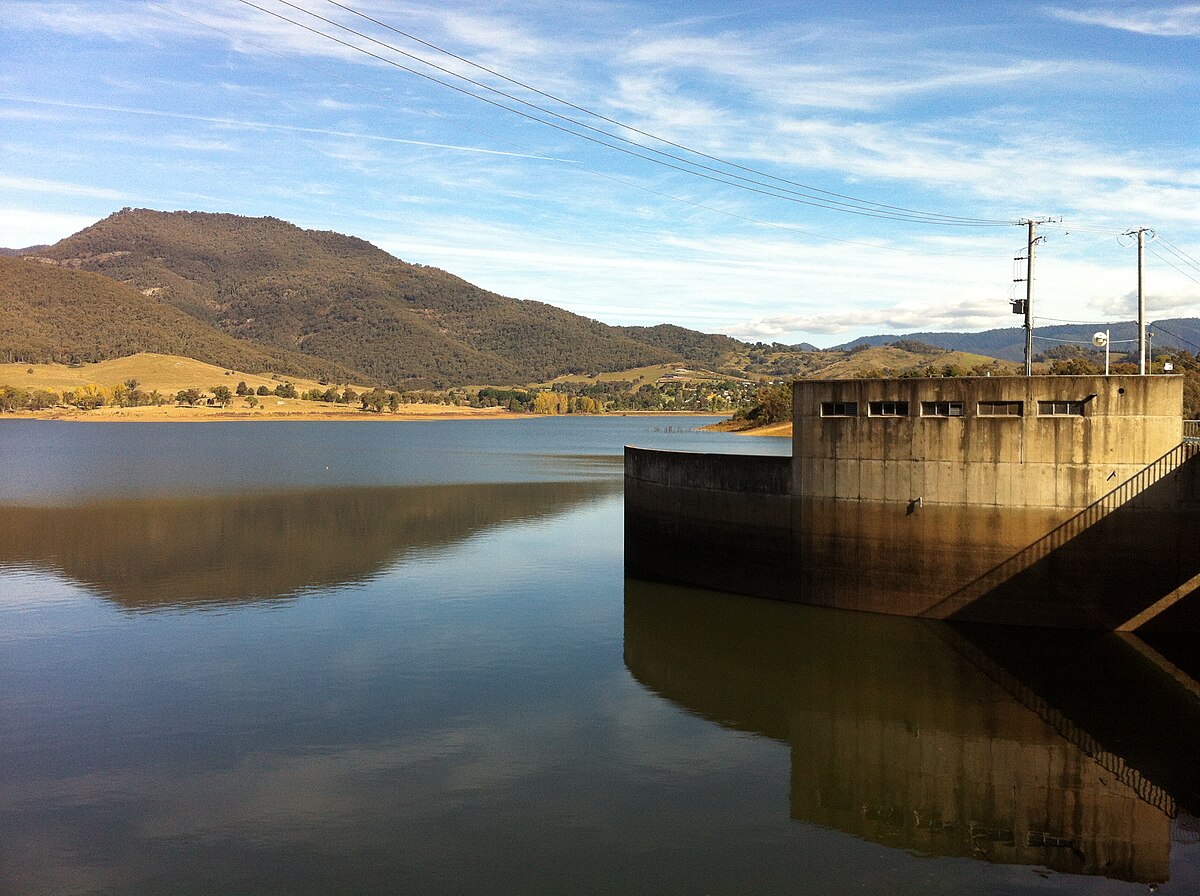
(941, 409)
(1060, 408)
(839, 409)
(887, 408)
(1001, 408)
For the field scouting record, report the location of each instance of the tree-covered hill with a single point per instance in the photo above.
(48, 314)
(344, 301)
(705, 348)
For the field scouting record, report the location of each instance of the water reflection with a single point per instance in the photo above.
(1075, 753)
(170, 552)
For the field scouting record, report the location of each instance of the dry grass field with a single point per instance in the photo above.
(166, 373)
(169, 374)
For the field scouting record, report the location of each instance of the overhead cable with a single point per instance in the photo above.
(853, 206)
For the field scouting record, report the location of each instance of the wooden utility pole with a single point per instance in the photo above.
(1032, 225)
(1142, 344)
(1030, 252)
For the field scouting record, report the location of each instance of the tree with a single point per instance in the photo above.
(374, 400)
(251, 401)
(242, 388)
(263, 390)
(41, 399)
(285, 390)
(190, 397)
(13, 398)
(222, 394)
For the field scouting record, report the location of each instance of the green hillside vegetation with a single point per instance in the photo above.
(343, 302)
(51, 315)
(702, 348)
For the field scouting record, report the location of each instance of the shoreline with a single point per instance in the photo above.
(407, 413)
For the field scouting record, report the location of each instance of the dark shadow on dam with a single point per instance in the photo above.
(152, 553)
(1071, 751)
(1109, 563)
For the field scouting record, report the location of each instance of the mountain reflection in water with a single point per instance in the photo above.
(1073, 752)
(156, 553)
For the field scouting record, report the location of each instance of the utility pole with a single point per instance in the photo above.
(1031, 224)
(1142, 345)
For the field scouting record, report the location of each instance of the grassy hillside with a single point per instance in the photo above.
(342, 301)
(166, 373)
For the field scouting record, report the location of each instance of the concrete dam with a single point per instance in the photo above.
(1052, 501)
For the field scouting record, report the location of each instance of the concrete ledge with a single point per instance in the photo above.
(741, 473)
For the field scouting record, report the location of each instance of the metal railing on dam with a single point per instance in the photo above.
(1191, 431)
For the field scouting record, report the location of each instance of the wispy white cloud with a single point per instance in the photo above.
(971, 315)
(1157, 21)
(21, 227)
(58, 188)
(259, 125)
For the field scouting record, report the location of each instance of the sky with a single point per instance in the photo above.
(776, 171)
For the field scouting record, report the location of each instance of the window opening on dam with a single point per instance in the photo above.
(941, 409)
(1001, 409)
(839, 409)
(1060, 408)
(887, 409)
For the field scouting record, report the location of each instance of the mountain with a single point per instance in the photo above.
(13, 253)
(344, 302)
(48, 314)
(705, 348)
(1009, 343)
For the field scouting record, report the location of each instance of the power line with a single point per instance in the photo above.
(1183, 257)
(774, 225)
(863, 208)
(639, 131)
(1168, 261)
(1174, 336)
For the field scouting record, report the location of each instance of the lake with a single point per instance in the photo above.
(392, 657)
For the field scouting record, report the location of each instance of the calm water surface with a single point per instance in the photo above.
(403, 657)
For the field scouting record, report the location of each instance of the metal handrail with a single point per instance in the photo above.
(1191, 430)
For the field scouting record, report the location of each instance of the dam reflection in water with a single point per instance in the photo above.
(1070, 751)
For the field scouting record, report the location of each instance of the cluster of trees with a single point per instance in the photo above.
(772, 404)
(13, 398)
(594, 397)
(87, 398)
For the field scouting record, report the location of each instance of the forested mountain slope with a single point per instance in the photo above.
(344, 301)
(48, 314)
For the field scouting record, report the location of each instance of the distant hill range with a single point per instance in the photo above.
(1009, 343)
(262, 295)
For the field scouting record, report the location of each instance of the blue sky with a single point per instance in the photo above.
(988, 111)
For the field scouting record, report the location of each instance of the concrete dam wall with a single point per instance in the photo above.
(1067, 502)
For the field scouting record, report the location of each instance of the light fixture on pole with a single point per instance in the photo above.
(1101, 340)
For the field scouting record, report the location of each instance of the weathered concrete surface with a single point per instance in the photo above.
(1031, 460)
(724, 521)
